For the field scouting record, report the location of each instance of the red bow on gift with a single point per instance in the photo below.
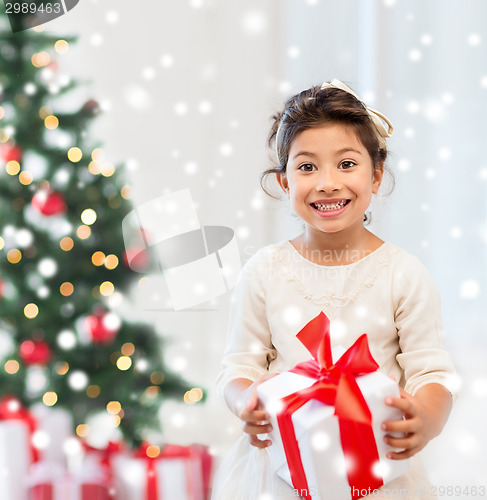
(336, 386)
(105, 455)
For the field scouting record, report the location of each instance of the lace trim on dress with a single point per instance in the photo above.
(330, 300)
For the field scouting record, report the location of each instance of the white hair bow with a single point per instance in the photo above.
(377, 118)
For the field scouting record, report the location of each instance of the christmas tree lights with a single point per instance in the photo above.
(62, 255)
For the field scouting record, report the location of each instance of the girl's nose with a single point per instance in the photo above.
(328, 181)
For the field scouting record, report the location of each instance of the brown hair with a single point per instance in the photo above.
(315, 107)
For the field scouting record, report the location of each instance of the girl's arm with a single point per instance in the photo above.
(425, 415)
(241, 397)
(429, 373)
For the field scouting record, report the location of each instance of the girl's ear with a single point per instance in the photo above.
(282, 180)
(377, 177)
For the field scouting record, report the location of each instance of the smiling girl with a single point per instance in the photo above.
(331, 151)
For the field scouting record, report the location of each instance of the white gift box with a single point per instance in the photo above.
(177, 478)
(51, 481)
(318, 434)
(54, 429)
(15, 456)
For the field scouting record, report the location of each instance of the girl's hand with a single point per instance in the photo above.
(256, 420)
(417, 426)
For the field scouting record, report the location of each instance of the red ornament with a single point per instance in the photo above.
(100, 330)
(35, 352)
(91, 108)
(10, 152)
(49, 202)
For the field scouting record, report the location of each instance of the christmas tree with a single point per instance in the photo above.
(63, 264)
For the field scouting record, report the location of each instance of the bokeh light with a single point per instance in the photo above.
(111, 261)
(40, 439)
(98, 258)
(75, 154)
(157, 378)
(14, 255)
(128, 349)
(107, 288)
(41, 59)
(47, 267)
(93, 391)
(193, 396)
(114, 407)
(49, 398)
(125, 192)
(107, 170)
(83, 232)
(62, 368)
(66, 244)
(152, 392)
(61, 46)
(124, 363)
(25, 178)
(66, 340)
(82, 430)
(153, 451)
(66, 289)
(78, 380)
(31, 310)
(51, 122)
(88, 216)
(94, 167)
(12, 167)
(11, 366)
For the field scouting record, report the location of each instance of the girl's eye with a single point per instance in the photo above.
(346, 164)
(307, 167)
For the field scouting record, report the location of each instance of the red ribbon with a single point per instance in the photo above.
(206, 461)
(169, 451)
(151, 487)
(335, 385)
(105, 454)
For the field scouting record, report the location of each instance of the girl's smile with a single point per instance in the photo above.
(330, 208)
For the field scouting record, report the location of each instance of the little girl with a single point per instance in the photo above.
(331, 150)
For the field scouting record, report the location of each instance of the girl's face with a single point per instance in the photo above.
(330, 178)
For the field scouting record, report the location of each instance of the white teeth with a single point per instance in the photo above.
(330, 206)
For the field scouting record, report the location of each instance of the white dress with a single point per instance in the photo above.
(387, 294)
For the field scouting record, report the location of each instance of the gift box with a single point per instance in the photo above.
(47, 481)
(56, 426)
(175, 472)
(16, 450)
(12, 410)
(51, 481)
(326, 418)
(14, 459)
